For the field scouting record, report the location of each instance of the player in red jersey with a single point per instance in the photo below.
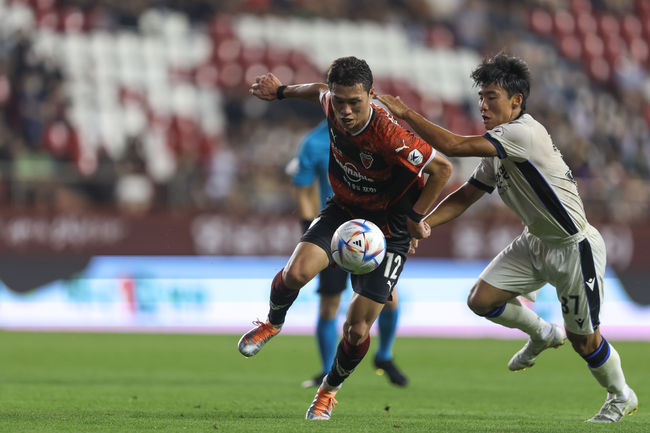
(376, 171)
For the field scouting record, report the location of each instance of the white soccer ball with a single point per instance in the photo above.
(358, 246)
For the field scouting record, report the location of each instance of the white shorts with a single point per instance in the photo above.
(576, 269)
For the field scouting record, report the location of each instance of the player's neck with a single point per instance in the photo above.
(362, 124)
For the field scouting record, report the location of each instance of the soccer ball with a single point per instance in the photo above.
(358, 246)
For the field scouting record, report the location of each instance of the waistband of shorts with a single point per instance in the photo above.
(567, 240)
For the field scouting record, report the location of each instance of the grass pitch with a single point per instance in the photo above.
(200, 383)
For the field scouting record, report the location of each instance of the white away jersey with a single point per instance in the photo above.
(533, 180)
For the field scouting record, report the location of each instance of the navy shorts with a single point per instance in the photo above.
(376, 285)
(332, 281)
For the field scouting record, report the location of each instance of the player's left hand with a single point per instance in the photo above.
(265, 87)
(418, 231)
(394, 104)
(413, 246)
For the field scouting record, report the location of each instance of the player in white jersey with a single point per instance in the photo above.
(557, 246)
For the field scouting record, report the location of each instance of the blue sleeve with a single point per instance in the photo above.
(306, 173)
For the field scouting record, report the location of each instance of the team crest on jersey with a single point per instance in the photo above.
(498, 130)
(415, 157)
(366, 159)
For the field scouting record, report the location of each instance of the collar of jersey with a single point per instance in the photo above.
(367, 123)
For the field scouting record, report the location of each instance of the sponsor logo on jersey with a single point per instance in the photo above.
(569, 175)
(352, 173)
(366, 159)
(580, 322)
(415, 157)
(590, 283)
(401, 147)
(502, 178)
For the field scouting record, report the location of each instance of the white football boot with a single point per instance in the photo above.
(616, 408)
(526, 356)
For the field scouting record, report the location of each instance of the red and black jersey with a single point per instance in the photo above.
(374, 170)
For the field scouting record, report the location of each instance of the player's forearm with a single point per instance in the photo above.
(446, 211)
(438, 177)
(452, 206)
(306, 207)
(309, 92)
(438, 137)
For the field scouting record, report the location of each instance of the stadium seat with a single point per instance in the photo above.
(540, 21)
(569, 47)
(639, 51)
(563, 23)
(585, 23)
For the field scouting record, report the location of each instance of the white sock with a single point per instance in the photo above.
(516, 315)
(610, 374)
(329, 388)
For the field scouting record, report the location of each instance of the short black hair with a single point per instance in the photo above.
(509, 72)
(348, 71)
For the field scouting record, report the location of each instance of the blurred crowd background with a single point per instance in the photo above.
(142, 105)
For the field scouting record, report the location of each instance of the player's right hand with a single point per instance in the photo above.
(395, 104)
(265, 87)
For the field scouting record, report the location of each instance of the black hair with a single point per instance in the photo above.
(509, 72)
(348, 71)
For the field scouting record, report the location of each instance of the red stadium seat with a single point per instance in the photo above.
(580, 6)
(614, 47)
(639, 50)
(563, 23)
(440, 37)
(541, 22)
(73, 20)
(227, 50)
(599, 70)
(631, 27)
(593, 46)
(586, 23)
(608, 25)
(221, 27)
(642, 7)
(569, 47)
(231, 74)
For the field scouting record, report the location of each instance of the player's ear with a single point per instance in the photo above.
(516, 100)
(371, 92)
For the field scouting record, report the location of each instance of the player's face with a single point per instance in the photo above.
(496, 107)
(351, 106)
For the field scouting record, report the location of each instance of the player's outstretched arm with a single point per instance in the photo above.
(454, 204)
(268, 87)
(439, 170)
(441, 139)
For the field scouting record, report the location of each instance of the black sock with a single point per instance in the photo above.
(346, 360)
(281, 299)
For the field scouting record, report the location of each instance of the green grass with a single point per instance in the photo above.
(199, 383)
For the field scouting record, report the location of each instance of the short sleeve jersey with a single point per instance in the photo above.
(374, 169)
(313, 161)
(532, 179)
